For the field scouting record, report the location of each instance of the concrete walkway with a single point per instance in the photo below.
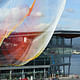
(69, 79)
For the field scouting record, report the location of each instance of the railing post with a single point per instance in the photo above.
(10, 77)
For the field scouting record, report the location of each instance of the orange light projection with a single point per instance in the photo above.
(26, 27)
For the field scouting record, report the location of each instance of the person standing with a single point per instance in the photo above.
(56, 77)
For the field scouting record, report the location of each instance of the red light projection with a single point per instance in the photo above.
(26, 27)
(15, 45)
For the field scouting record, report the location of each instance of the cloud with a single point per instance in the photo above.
(70, 10)
(39, 27)
(3, 13)
(12, 15)
(69, 24)
(35, 28)
(37, 14)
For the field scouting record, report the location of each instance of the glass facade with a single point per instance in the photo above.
(60, 49)
(54, 59)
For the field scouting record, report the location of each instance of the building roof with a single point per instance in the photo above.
(67, 34)
(61, 33)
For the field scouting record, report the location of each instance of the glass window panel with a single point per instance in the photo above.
(67, 42)
(60, 50)
(67, 50)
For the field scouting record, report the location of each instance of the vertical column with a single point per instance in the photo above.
(34, 73)
(34, 70)
(44, 68)
(31, 78)
(23, 75)
(70, 59)
(63, 58)
(10, 77)
(44, 73)
(50, 64)
(69, 66)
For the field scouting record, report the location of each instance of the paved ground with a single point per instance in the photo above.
(69, 79)
(64, 79)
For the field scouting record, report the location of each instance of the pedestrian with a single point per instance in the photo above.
(56, 77)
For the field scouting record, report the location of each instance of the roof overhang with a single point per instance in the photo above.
(67, 34)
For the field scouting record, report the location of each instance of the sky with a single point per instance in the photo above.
(70, 19)
(44, 13)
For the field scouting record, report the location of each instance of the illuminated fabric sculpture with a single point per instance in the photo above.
(26, 27)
